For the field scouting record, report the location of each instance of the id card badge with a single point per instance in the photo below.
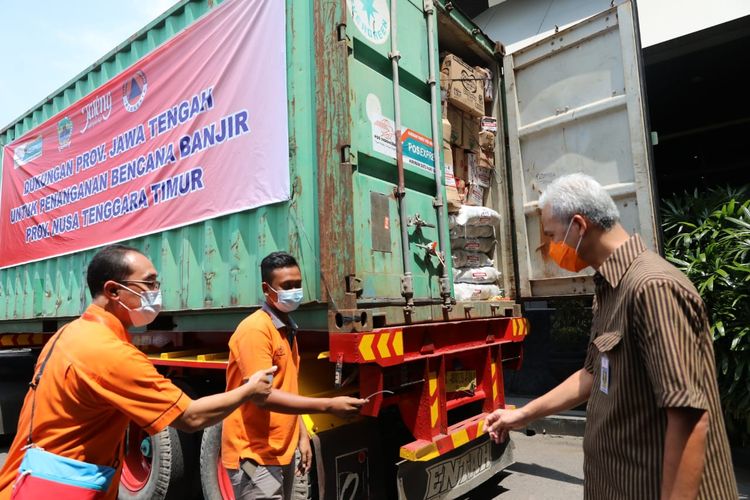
(604, 375)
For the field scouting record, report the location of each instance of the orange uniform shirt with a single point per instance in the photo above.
(252, 432)
(95, 382)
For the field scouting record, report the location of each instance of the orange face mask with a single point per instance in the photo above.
(565, 256)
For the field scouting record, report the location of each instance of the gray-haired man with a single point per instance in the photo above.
(654, 427)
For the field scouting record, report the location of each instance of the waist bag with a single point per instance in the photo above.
(46, 475)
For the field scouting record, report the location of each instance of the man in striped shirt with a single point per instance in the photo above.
(654, 427)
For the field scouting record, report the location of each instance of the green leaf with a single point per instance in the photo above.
(735, 342)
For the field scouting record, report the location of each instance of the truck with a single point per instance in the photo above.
(361, 204)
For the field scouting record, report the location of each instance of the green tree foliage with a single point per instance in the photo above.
(707, 236)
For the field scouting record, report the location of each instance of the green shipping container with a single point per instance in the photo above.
(342, 222)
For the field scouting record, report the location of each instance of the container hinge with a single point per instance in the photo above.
(428, 6)
(348, 155)
(353, 285)
(342, 36)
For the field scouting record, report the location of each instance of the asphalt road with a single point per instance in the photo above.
(546, 467)
(550, 467)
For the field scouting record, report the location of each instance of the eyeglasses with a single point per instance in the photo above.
(152, 284)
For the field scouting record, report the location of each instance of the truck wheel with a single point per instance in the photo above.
(154, 467)
(214, 478)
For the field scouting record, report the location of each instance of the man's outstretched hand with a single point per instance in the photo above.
(500, 422)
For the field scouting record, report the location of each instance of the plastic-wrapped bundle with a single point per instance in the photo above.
(466, 291)
(479, 275)
(462, 258)
(485, 245)
(475, 216)
(472, 232)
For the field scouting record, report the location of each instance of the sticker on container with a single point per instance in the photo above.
(416, 149)
(383, 129)
(372, 18)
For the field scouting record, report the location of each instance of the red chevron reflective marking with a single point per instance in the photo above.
(391, 345)
(444, 445)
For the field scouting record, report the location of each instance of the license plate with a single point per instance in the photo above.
(460, 380)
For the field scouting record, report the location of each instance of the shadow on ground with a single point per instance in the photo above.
(545, 472)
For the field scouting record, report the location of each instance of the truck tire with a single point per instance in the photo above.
(214, 478)
(156, 467)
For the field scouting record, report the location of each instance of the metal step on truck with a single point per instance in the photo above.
(223, 131)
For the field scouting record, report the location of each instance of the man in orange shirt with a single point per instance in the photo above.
(259, 440)
(96, 381)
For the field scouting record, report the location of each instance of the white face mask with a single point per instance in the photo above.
(288, 300)
(150, 307)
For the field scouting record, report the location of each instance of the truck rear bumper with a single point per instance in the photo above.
(455, 473)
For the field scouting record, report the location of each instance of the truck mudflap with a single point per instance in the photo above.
(455, 473)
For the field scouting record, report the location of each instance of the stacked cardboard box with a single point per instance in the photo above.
(466, 89)
(463, 84)
(469, 145)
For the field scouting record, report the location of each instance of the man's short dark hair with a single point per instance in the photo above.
(273, 261)
(108, 264)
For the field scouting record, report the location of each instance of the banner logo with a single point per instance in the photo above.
(97, 110)
(134, 91)
(64, 133)
(27, 151)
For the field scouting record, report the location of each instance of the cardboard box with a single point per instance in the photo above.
(450, 177)
(486, 160)
(447, 129)
(459, 163)
(471, 132)
(489, 123)
(455, 195)
(486, 75)
(475, 195)
(475, 173)
(455, 117)
(487, 140)
(465, 89)
(479, 176)
(453, 198)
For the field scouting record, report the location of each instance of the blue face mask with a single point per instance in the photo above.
(288, 300)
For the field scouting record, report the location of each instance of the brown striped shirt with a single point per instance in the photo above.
(651, 329)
